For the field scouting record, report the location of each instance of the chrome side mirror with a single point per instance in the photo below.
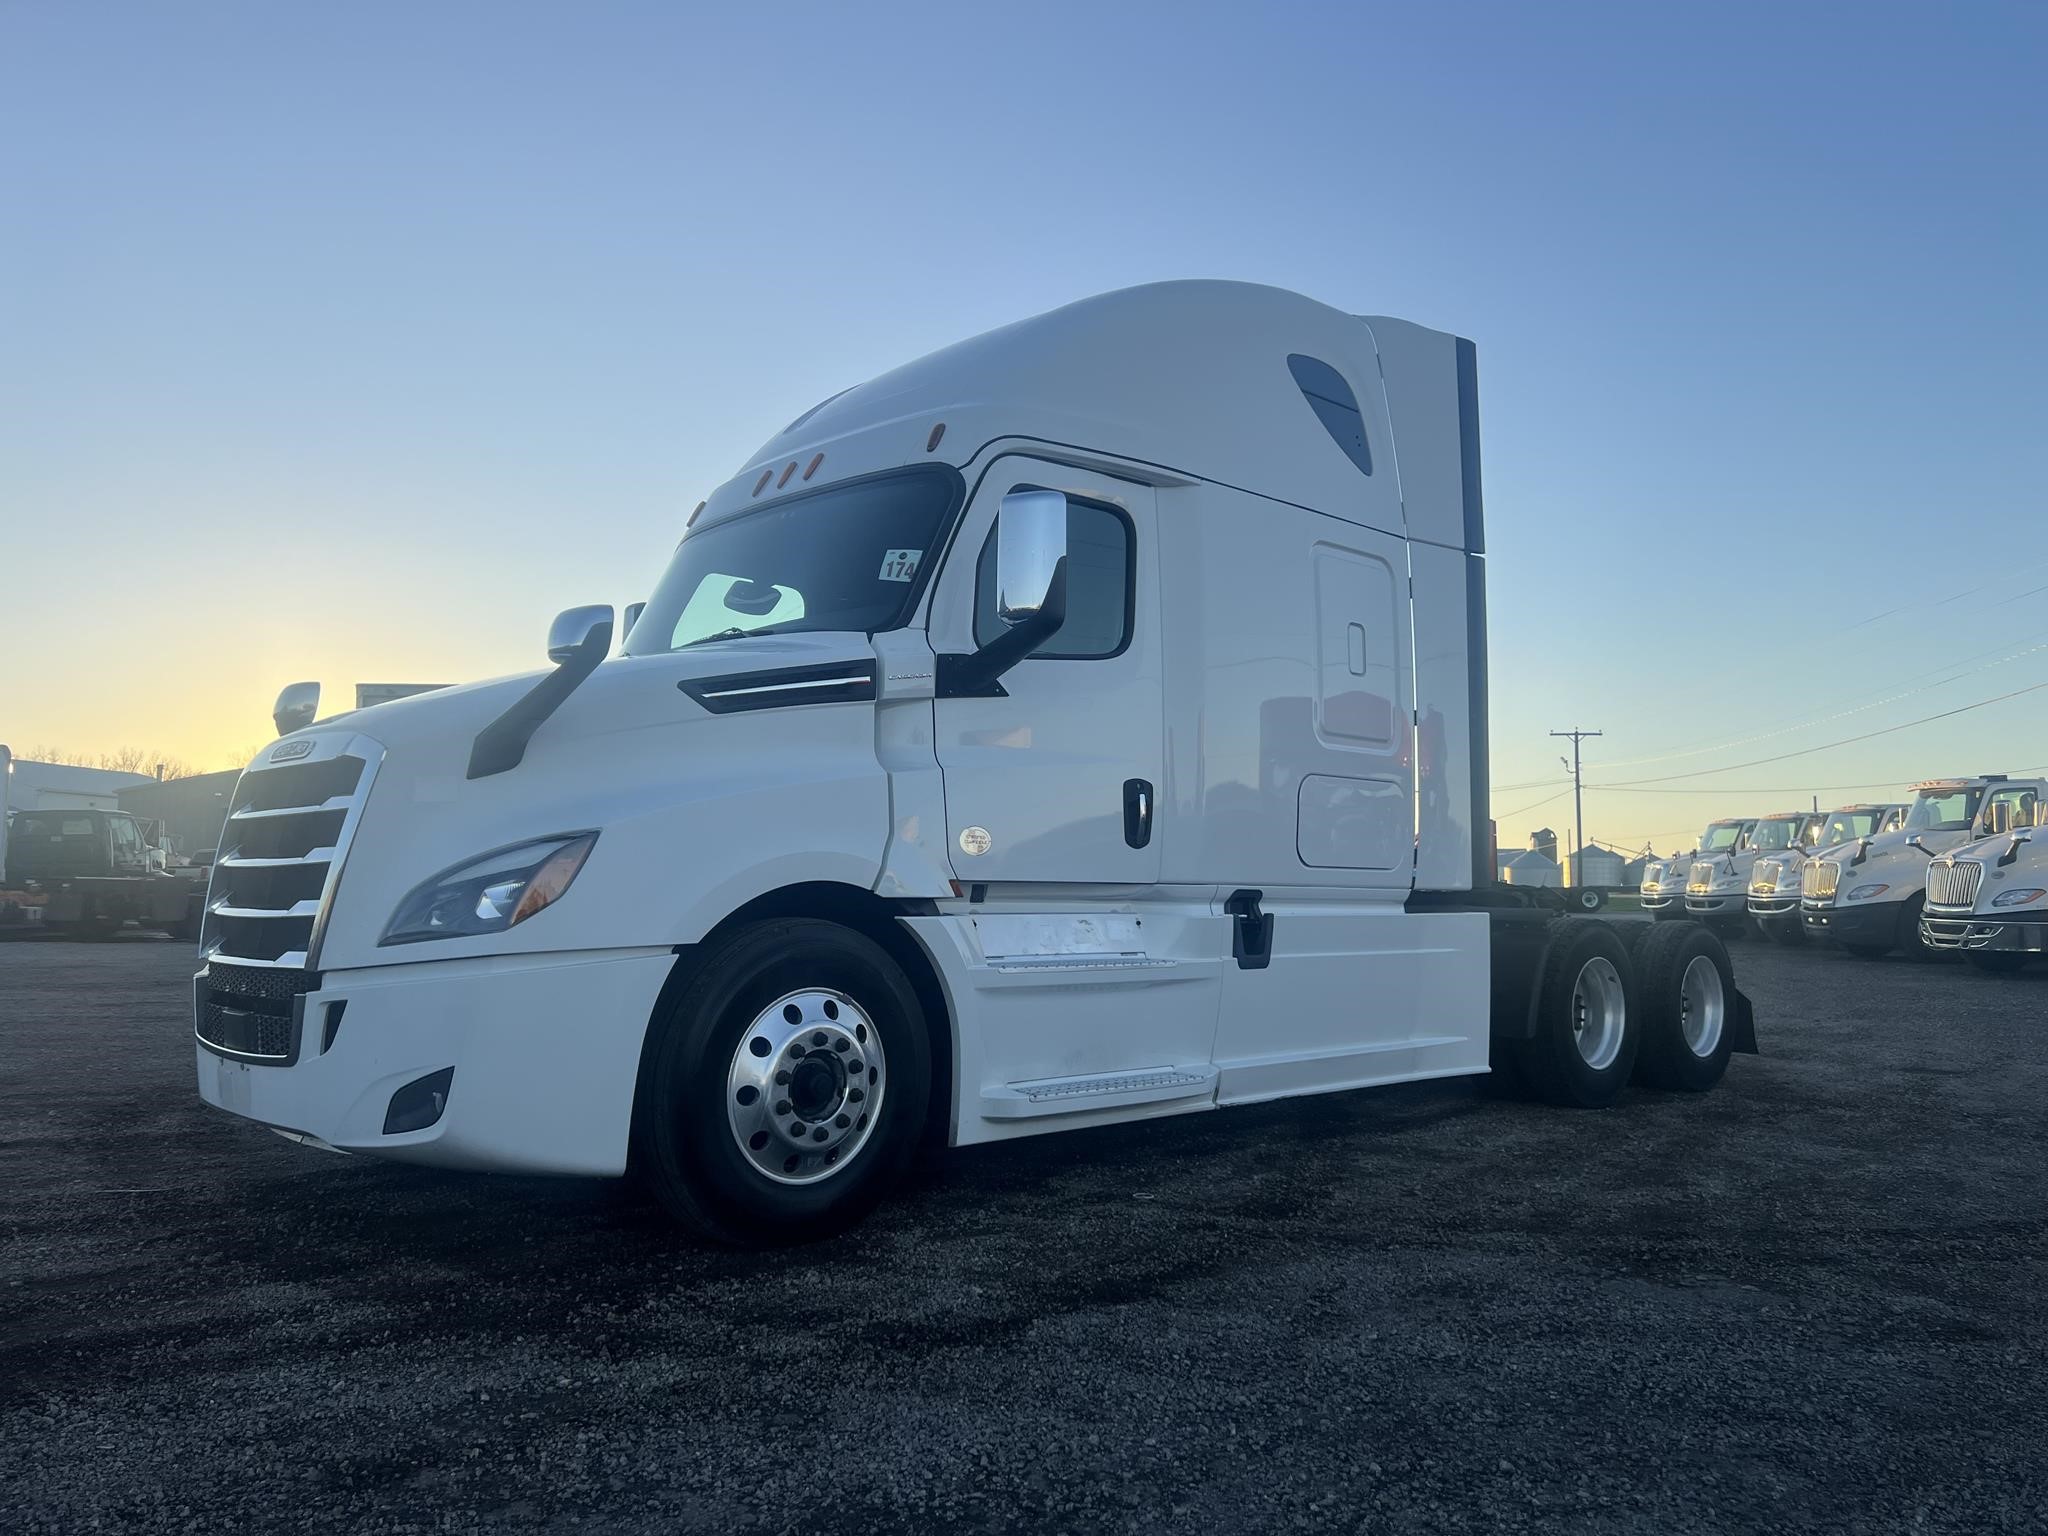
(297, 704)
(576, 630)
(1031, 541)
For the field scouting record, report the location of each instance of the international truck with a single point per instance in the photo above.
(1082, 724)
(1717, 886)
(89, 873)
(1662, 893)
(1868, 896)
(1988, 900)
(1775, 877)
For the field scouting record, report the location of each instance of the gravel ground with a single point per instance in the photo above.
(1811, 1300)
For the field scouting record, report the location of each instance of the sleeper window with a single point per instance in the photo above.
(1098, 586)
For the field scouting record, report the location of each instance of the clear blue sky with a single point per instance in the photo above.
(354, 341)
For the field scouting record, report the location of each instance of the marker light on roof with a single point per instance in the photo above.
(811, 468)
(693, 514)
(931, 443)
(786, 473)
(758, 484)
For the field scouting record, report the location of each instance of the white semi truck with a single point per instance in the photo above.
(1717, 887)
(1083, 723)
(1867, 896)
(1774, 879)
(1663, 891)
(1988, 900)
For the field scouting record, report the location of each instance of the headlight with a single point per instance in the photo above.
(1865, 892)
(490, 894)
(2016, 898)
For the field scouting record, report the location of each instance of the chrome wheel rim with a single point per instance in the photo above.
(1702, 1006)
(804, 1092)
(1599, 1013)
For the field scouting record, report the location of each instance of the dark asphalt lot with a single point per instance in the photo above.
(1812, 1300)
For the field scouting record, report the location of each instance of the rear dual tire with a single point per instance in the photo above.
(1687, 1001)
(1641, 1001)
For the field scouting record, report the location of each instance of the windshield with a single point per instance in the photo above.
(1846, 826)
(845, 558)
(1772, 836)
(1720, 837)
(1943, 810)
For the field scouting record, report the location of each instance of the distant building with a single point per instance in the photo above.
(192, 810)
(1529, 867)
(1602, 869)
(1544, 841)
(61, 787)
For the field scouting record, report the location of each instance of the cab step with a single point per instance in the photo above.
(1072, 1095)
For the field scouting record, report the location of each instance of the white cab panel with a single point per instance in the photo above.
(1355, 994)
(1042, 770)
(1051, 1006)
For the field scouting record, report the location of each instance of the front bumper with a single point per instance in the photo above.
(1661, 901)
(1775, 907)
(1716, 904)
(1978, 931)
(545, 1052)
(1871, 923)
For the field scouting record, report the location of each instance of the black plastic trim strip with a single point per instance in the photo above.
(839, 682)
(1483, 871)
(1468, 446)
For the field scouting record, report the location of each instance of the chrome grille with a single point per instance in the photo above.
(1950, 884)
(1818, 880)
(1764, 878)
(1702, 878)
(281, 851)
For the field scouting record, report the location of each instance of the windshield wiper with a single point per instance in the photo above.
(729, 634)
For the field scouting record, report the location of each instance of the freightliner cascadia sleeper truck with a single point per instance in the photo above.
(1084, 723)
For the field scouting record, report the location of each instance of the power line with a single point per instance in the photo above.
(1829, 746)
(1843, 714)
(1537, 806)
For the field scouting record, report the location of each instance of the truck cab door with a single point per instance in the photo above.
(1055, 778)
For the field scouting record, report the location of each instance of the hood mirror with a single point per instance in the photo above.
(633, 612)
(576, 629)
(297, 704)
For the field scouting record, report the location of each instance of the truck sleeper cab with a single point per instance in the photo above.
(1081, 724)
(1988, 900)
(1868, 896)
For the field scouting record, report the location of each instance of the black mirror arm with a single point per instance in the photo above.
(501, 745)
(976, 674)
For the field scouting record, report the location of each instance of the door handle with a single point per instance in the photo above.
(1137, 812)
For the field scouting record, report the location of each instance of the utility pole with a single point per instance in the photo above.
(1578, 805)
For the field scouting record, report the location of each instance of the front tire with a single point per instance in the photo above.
(786, 1090)
(1586, 1037)
(1686, 992)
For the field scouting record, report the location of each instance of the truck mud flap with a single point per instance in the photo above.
(1742, 1026)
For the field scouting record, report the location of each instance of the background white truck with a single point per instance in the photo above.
(1663, 890)
(1717, 886)
(1867, 896)
(1083, 723)
(1774, 879)
(1988, 900)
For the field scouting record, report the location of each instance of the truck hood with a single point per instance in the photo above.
(685, 801)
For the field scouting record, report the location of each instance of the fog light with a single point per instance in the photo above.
(419, 1103)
